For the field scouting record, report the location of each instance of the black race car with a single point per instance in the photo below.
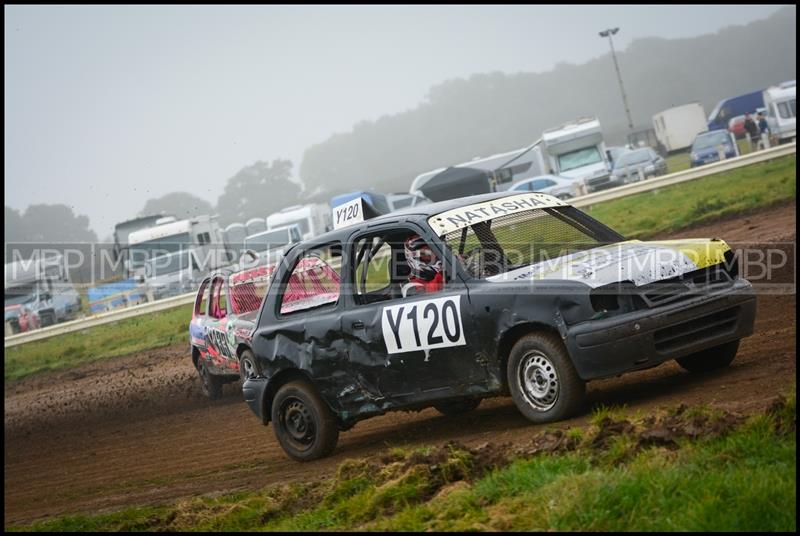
(531, 297)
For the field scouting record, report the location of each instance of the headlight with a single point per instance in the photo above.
(695, 156)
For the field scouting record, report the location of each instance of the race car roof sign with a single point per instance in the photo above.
(459, 218)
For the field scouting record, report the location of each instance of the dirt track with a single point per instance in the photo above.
(135, 429)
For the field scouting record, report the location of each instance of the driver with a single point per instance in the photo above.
(426, 268)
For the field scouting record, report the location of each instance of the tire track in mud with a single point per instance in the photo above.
(136, 430)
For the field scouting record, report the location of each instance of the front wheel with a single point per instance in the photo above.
(543, 383)
(711, 358)
(304, 425)
(211, 383)
(457, 407)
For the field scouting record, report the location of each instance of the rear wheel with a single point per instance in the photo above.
(457, 407)
(248, 367)
(711, 358)
(211, 383)
(304, 425)
(542, 380)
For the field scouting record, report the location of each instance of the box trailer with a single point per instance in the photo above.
(677, 127)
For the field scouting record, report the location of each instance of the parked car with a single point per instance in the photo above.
(221, 329)
(708, 146)
(628, 166)
(560, 187)
(503, 293)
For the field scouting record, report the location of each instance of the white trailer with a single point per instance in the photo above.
(781, 105)
(677, 127)
(313, 219)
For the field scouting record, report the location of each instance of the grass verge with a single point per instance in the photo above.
(692, 469)
(109, 340)
(641, 216)
(670, 209)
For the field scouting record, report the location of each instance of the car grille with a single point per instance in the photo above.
(599, 181)
(696, 330)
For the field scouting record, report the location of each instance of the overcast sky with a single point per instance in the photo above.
(108, 106)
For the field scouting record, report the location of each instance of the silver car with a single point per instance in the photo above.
(560, 187)
(646, 161)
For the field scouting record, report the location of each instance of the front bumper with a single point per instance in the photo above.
(646, 338)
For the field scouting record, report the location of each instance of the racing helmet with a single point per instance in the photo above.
(420, 258)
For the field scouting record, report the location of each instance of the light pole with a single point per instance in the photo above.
(608, 33)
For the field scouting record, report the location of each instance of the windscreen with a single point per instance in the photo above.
(712, 140)
(579, 158)
(267, 241)
(169, 264)
(20, 294)
(508, 242)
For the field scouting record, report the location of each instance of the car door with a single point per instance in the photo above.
(406, 347)
(221, 353)
(197, 326)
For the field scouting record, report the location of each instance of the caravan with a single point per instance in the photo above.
(781, 104)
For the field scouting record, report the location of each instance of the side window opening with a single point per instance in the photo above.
(315, 281)
(201, 302)
(383, 270)
(218, 299)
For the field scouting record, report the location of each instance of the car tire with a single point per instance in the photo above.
(711, 358)
(210, 383)
(248, 366)
(457, 407)
(304, 425)
(542, 380)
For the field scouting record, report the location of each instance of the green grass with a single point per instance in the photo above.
(109, 340)
(642, 216)
(667, 210)
(742, 479)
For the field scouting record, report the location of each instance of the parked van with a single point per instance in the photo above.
(727, 109)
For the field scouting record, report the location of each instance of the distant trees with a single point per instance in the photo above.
(257, 191)
(47, 223)
(180, 204)
(494, 112)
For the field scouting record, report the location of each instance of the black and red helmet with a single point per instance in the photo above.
(420, 258)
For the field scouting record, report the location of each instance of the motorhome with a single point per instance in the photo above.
(313, 219)
(200, 234)
(38, 292)
(781, 105)
(576, 150)
(269, 244)
(122, 232)
(172, 274)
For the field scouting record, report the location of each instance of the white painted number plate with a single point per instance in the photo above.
(348, 214)
(423, 325)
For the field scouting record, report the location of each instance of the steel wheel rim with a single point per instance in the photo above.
(298, 423)
(248, 369)
(538, 381)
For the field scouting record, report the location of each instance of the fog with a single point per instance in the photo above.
(107, 107)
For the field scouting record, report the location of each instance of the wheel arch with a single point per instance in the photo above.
(276, 382)
(511, 336)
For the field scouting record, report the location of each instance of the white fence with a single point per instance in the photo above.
(582, 201)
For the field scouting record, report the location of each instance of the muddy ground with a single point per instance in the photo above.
(136, 430)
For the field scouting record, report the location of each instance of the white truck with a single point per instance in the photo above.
(201, 234)
(781, 104)
(677, 127)
(313, 219)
